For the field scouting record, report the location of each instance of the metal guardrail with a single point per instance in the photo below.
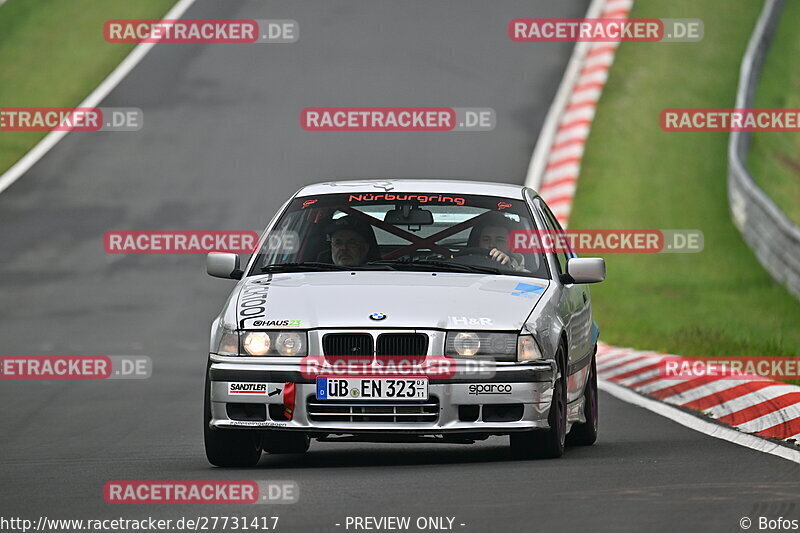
(774, 238)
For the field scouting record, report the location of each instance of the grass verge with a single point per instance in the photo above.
(634, 175)
(52, 54)
(774, 159)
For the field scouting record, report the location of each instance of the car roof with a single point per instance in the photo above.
(439, 186)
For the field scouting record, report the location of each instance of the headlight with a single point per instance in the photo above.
(527, 349)
(256, 343)
(289, 343)
(272, 343)
(500, 346)
(466, 343)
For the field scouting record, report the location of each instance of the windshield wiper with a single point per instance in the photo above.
(311, 266)
(444, 265)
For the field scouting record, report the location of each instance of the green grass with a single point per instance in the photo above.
(719, 301)
(52, 53)
(774, 159)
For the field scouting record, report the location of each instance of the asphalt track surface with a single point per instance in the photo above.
(222, 149)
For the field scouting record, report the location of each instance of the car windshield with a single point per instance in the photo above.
(400, 231)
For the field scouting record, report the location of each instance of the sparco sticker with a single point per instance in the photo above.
(491, 388)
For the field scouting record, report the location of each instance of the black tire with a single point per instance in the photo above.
(585, 433)
(285, 442)
(547, 444)
(228, 447)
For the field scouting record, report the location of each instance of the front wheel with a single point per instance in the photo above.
(228, 447)
(547, 444)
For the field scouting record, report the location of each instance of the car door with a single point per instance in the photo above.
(574, 308)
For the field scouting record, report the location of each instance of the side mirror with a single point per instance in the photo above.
(586, 269)
(223, 265)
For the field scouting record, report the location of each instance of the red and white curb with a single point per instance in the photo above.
(747, 412)
(756, 406)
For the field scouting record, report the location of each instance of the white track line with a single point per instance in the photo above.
(51, 139)
(698, 424)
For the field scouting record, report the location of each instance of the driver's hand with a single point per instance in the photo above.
(504, 258)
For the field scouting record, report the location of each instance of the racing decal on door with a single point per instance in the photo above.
(253, 300)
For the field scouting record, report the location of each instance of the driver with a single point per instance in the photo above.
(494, 237)
(349, 244)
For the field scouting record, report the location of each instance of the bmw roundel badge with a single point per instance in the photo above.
(377, 316)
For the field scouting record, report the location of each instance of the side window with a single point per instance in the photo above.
(554, 226)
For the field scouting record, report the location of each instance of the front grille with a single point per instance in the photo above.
(402, 344)
(389, 344)
(373, 411)
(347, 344)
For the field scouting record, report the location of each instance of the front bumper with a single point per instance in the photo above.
(520, 400)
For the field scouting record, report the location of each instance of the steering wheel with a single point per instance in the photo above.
(472, 250)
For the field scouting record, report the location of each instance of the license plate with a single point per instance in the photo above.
(372, 389)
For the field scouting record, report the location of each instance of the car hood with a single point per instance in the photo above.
(406, 299)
